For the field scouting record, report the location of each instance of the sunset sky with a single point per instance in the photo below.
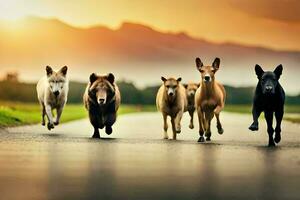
(269, 23)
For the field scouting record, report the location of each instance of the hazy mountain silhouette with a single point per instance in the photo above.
(133, 51)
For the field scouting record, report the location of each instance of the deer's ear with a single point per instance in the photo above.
(216, 63)
(259, 71)
(185, 85)
(49, 71)
(278, 71)
(179, 79)
(199, 63)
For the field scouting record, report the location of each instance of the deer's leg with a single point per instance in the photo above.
(208, 118)
(201, 124)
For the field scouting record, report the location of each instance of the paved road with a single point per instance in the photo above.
(134, 163)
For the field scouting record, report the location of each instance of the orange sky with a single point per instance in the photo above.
(269, 23)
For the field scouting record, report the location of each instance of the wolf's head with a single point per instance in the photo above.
(57, 80)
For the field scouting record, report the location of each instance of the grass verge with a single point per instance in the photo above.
(16, 113)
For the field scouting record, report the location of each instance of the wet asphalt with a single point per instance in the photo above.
(135, 163)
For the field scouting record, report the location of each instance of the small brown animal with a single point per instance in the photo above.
(209, 99)
(190, 94)
(102, 100)
(171, 101)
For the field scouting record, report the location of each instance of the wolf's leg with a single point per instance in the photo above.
(173, 128)
(178, 121)
(43, 115)
(49, 116)
(278, 116)
(58, 114)
(255, 113)
(269, 119)
(201, 124)
(165, 126)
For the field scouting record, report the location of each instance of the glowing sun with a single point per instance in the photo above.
(11, 10)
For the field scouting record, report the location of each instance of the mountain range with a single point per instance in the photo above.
(133, 52)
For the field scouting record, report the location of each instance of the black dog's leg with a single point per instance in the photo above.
(96, 133)
(269, 119)
(278, 116)
(255, 113)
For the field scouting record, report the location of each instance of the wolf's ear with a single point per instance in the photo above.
(278, 71)
(49, 70)
(93, 77)
(185, 85)
(216, 64)
(64, 70)
(259, 71)
(111, 78)
(163, 79)
(179, 79)
(199, 63)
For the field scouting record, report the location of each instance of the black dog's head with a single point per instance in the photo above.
(268, 80)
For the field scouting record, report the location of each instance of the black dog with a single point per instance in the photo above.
(269, 97)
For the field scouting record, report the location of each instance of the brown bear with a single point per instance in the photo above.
(102, 100)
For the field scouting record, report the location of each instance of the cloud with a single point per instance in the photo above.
(281, 10)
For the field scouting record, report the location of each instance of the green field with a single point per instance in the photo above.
(292, 112)
(14, 114)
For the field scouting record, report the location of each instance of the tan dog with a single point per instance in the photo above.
(171, 101)
(191, 89)
(209, 99)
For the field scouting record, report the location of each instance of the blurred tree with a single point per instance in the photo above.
(12, 90)
(12, 77)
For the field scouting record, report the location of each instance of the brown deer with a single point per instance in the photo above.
(209, 99)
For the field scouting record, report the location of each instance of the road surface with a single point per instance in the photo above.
(135, 163)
